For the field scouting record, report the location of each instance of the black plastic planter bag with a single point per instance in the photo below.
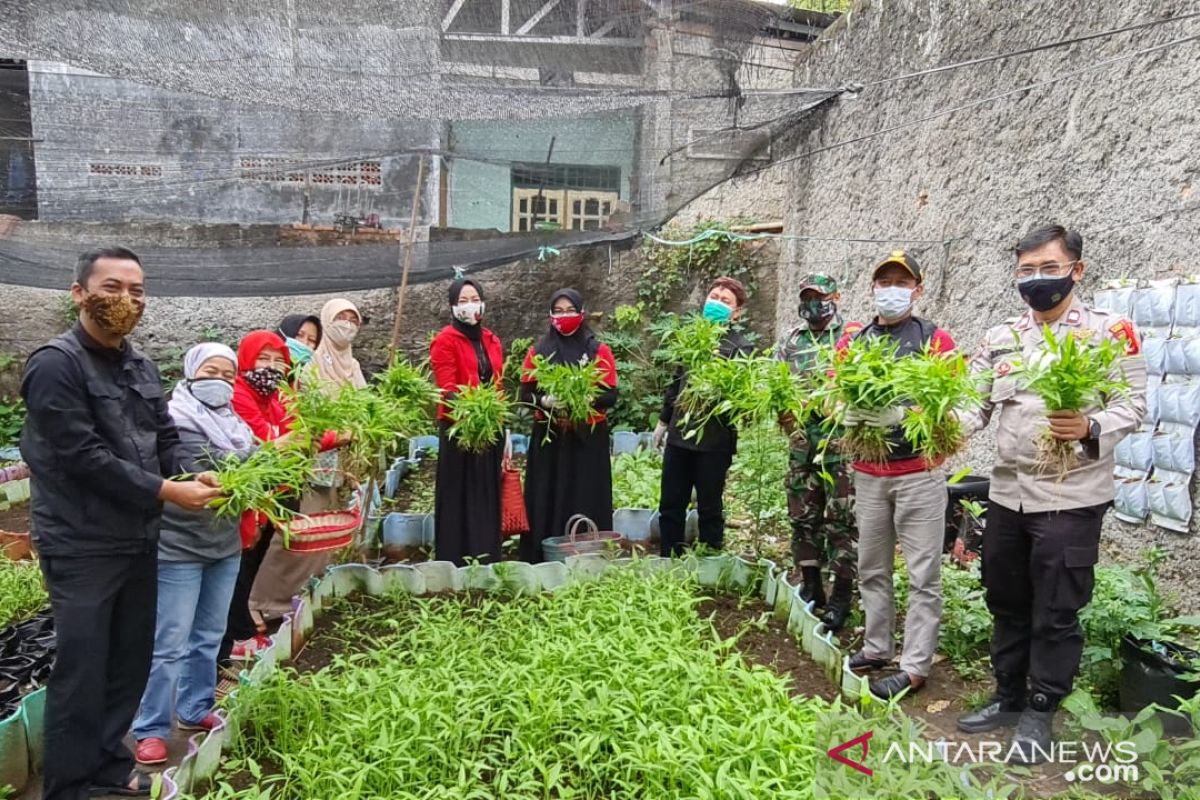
(1156, 672)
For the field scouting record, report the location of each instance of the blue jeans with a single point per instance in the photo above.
(193, 605)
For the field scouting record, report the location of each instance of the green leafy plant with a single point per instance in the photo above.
(377, 421)
(408, 384)
(864, 378)
(12, 420)
(521, 418)
(262, 482)
(966, 622)
(22, 591)
(939, 387)
(1070, 374)
(68, 310)
(637, 479)
(478, 416)
(669, 270)
(574, 387)
(756, 492)
(562, 695)
(643, 364)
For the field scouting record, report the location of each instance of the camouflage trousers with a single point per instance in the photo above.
(822, 514)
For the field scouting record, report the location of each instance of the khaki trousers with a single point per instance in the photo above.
(910, 509)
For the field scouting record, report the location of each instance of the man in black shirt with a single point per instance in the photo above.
(100, 446)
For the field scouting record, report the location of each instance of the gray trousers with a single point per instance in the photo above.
(910, 509)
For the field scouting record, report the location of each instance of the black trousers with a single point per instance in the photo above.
(682, 471)
(1038, 572)
(240, 624)
(104, 608)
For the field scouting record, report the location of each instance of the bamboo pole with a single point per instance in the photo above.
(408, 251)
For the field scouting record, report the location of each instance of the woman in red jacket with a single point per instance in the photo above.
(467, 500)
(263, 362)
(568, 470)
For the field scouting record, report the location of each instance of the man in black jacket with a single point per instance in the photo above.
(100, 447)
(699, 461)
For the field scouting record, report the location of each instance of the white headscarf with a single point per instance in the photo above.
(221, 426)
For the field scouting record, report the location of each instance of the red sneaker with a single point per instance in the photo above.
(209, 722)
(151, 751)
(247, 648)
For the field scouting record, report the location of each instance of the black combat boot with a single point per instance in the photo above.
(1001, 710)
(838, 609)
(812, 587)
(1035, 730)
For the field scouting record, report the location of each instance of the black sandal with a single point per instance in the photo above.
(144, 783)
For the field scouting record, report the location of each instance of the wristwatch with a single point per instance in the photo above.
(1093, 429)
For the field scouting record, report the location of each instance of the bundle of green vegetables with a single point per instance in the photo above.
(933, 389)
(478, 416)
(939, 387)
(407, 384)
(863, 378)
(1070, 374)
(262, 482)
(574, 387)
(376, 421)
(744, 390)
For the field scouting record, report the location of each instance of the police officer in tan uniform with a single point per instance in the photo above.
(1042, 538)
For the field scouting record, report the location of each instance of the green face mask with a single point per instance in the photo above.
(716, 311)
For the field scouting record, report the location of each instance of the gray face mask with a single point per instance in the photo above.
(212, 392)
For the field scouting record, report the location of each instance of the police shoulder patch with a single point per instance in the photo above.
(1125, 333)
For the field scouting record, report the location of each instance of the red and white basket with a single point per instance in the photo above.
(324, 530)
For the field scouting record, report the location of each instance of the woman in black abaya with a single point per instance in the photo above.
(467, 498)
(568, 472)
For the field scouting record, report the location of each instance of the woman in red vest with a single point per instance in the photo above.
(467, 501)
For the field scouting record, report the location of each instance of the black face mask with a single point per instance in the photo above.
(815, 312)
(1043, 294)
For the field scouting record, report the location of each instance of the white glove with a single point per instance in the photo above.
(883, 418)
(549, 402)
(660, 435)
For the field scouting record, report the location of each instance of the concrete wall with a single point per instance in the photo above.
(189, 148)
(480, 192)
(1110, 152)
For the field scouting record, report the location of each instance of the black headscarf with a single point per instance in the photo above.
(568, 349)
(472, 332)
(292, 323)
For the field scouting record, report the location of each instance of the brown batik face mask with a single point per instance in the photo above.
(117, 314)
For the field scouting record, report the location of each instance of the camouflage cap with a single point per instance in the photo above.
(818, 281)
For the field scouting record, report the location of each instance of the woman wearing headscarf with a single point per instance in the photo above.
(336, 364)
(467, 498)
(199, 555)
(302, 333)
(311, 342)
(263, 363)
(567, 470)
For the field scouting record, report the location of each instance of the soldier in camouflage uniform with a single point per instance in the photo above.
(822, 514)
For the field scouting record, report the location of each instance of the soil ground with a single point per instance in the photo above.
(15, 519)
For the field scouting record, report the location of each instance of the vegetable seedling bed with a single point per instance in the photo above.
(599, 679)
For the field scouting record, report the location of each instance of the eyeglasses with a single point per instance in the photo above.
(1050, 270)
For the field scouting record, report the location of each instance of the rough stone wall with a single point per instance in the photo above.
(1110, 152)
